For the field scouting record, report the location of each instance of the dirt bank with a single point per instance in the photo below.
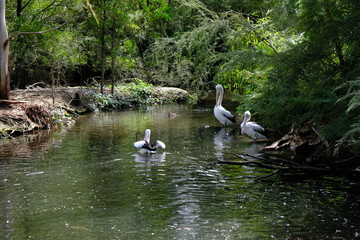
(42, 108)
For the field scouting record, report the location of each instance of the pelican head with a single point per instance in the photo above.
(219, 94)
(147, 135)
(219, 87)
(247, 116)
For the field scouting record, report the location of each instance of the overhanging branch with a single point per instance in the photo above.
(29, 33)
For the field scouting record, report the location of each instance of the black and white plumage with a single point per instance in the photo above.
(251, 129)
(145, 144)
(224, 116)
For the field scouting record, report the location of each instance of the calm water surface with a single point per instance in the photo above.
(88, 182)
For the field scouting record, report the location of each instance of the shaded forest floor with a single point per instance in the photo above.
(42, 108)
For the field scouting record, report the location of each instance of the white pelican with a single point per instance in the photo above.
(224, 116)
(250, 128)
(145, 144)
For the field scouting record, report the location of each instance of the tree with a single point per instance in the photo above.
(210, 46)
(5, 40)
(4, 55)
(302, 86)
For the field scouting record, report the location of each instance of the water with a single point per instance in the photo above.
(88, 182)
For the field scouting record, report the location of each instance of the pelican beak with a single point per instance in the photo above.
(217, 96)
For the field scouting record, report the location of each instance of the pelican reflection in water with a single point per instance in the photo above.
(222, 140)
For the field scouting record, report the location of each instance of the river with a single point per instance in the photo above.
(89, 182)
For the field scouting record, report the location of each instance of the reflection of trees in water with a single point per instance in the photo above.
(5, 199)
(27, 143)
(12, 152)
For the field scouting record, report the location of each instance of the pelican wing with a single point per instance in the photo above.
(255, 126)
(227, 114)
(252, 133)
(224, 116)
(139, 144)
(159, 144)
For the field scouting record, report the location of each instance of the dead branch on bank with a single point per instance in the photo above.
(310, 153)
(25, 118)
(281, 165)
(12, 101)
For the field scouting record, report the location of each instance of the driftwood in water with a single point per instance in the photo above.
(274, 163)
(281, 165)
(305, 141)
(310, 153)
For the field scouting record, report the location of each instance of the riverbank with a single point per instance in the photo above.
(42, 108)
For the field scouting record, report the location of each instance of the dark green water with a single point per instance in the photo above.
(88, 182)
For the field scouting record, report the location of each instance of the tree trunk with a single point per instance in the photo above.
(4, 55)
(113, 59)
(19, 8)
(102, 49)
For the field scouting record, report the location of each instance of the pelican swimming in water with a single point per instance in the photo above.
(145, 144)
(224, 116)
(250, 128)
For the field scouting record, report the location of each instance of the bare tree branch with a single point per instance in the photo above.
(268, 175)
(283, 164)
(28, 33)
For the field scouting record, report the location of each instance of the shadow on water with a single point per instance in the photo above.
(89, 182)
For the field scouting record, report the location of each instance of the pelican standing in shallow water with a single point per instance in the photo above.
(250, 128)
(224, 116)
(145, 144)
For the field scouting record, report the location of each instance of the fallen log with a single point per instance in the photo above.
(252, 163)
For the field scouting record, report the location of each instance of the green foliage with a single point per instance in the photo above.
(351, 137)
(32, 55)
(64, 49)
(109, 102)
(185, 61)
(137, 91)
(302, 80)
(352, 94)
(129, 94)
(222, 48)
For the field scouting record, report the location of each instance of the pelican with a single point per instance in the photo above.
(250, 128)
(145, 144)
(224, 116)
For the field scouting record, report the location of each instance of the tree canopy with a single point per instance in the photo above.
(290, 62)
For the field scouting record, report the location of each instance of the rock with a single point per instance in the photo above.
(170, 93)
